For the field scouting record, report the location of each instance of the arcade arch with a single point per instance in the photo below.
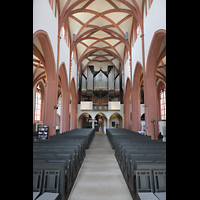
(127, 108)
(85, 120)
(137, 81)
(115, 121)
(100, 121)
(156, 54)
(73, 102)
(64, 111)
(44, 57)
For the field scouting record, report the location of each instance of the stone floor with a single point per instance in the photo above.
(100, 177)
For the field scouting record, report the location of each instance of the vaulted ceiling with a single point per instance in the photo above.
(100, 28)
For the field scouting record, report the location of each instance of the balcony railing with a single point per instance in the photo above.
(111, 105)
(100, 107)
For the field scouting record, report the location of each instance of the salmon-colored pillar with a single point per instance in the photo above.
(49, 111)
(127, 112)
(151, 111)
(136, 120)
(64, 124)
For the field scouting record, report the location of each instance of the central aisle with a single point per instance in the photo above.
(100, 177)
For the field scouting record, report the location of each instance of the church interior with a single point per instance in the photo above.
(99, 99)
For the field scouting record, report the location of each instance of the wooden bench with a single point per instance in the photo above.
(49, 196)
(64, 153)
(61, 180)
(144, 185)
(146, 160)
(150, 186)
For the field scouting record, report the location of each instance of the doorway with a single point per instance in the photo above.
(99, 122)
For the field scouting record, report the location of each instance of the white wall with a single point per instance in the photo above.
(44, 19)
(106, 113)
(136, 53)
(74, 71)
(126, 72)
(86, 105)
(114, 105)
(64, 55)
(155, 20)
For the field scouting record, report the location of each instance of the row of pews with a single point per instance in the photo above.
(56, 163)
(142, 162)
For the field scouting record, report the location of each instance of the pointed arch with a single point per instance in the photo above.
(151, 90)
(50, 65)
(73, 117)
(117, 118)
(136, 119)
(51, 89)
(151, 65)
(104, 114)
(64, 122)
(127, 122)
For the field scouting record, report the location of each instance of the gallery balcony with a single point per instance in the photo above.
(90, 106)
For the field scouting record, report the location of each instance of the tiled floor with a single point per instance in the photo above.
(100, 177)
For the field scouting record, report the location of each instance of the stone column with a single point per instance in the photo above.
(92, 123)
(108, 121)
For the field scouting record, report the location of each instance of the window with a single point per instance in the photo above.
(38, 103)
(163, 104)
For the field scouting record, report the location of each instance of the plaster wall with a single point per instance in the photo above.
(44, 19)
(74, 71)
(106, 113)
(155, 20)
(126, 72)
(64, 55)
(136, 53)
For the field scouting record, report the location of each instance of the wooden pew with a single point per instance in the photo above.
(160, 183)
(67, 174)
(134, 151)
(68, 150)
(54, 166)
(150, 186)
(144, 160)
(144, 185)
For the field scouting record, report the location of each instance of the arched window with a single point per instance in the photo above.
(163, 103)
(38, 103)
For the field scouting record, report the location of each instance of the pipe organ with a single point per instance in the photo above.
(100, 83)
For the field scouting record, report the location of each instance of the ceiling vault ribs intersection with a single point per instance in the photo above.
(100, 27)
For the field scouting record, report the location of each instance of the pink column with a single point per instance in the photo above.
(136, 120)
(49, 111)
(152, 107)
(64, 124)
